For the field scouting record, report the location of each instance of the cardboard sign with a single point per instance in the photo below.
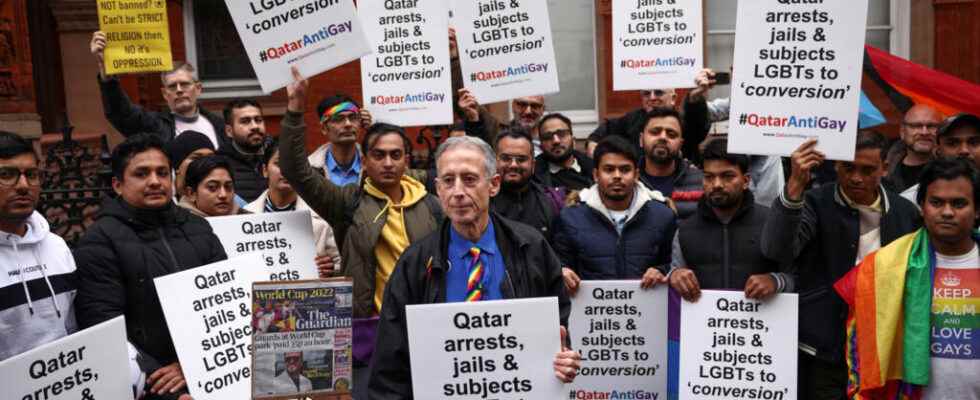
(797, 75)
(137, 36)
(505, 48)
(302, 333)
(209, 314)
(314, 35)
(621, 332)
(734, 348)
(489, 349)
(407, 81)
(284, 240)
(90, 364)
(657, 44)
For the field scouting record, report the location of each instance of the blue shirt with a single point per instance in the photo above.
(340, 176)
(461, 263)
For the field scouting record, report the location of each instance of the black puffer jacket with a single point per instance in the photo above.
(121, 254)
(533, 270)
(247, 168)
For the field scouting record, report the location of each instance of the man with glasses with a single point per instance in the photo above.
(909, 156)
(958, 137)
(37, 286)
(560, 165)
(180, 88)
(374, 222)
(520, 198)
(342, 121)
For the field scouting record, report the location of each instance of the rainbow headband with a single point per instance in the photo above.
(337, 109)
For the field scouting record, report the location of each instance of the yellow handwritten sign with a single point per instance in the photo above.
(137, 35)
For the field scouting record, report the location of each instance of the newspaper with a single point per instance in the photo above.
(301, 337)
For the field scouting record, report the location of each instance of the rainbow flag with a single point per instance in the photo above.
(889, 296)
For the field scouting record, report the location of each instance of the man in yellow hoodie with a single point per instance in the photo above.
(374, 222)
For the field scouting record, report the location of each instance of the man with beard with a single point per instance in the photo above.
(180, 88)
(619, 229)
(560, 165)
(631, 124)
(341, 122)
(520, 198)
(728, 216)
(246, 129)
(824, 232)
(909, 156)
(959, 137)
(663, 169)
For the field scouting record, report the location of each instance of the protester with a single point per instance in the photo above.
(632, 124)
(183, 150)
(619, 229)
(824, 232)
(521, 198)
(442, 263)
(475, 119)
(181, 89)
(37, 286)
(959, 137)
(766, 172)
(560, 165)
(663, 167)
(138, 236)
(281, 197)
(727, 216)
(911, 307)
(248, 140)
(917, 146)
(341, 121)
(209, 188)
(376, 222)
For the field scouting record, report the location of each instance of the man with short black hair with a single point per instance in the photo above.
(180, 88)
(520, 197)
(619, 229)
(915, 300)
(727, 216)
(245, 129)
(37, 285)
(823, 233)
(560, 165)
(342, 121)
(138, 236)
(664, 167)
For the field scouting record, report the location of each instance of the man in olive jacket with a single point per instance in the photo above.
(374, 222)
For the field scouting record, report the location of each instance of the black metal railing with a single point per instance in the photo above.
(76, 182)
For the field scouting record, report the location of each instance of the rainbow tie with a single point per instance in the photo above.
(474, 284)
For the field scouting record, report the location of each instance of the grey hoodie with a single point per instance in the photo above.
(37, 288)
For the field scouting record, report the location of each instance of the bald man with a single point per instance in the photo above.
(909, 156)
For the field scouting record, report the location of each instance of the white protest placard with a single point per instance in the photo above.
(209, 314)
(489, 349)
(313, 35)
(505, 48)
(657, 44)
(797, 75)
(285, 240)
(407, 81)
(90, 364)
(732, 347)
(621, 331)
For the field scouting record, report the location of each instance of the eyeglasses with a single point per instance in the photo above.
(507, 159)
(9, 176)
(349, 117)
(922, 125)
(182, 86)
(521, 104)
(560, 133)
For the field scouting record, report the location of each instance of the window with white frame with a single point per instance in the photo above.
(214, 48)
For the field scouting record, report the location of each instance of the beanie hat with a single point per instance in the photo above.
(186, 143)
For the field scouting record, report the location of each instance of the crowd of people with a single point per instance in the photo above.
(514, 210)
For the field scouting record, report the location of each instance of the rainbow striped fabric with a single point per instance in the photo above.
(337, 109)
(474, 283)
(889, 296)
